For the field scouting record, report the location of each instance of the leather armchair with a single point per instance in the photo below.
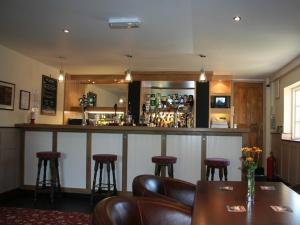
(164, 188)
(120, 210)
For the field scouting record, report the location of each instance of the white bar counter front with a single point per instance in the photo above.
(134, 147)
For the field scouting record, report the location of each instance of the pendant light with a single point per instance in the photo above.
(202, 76)
(61, 76)
(128, 76)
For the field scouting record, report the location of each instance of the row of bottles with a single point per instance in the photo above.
(163, 119)
(172, 102)
(168, 110)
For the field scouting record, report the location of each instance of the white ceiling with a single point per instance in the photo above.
(172, 34)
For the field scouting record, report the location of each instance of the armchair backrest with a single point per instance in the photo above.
(165, 188)
(140, 211)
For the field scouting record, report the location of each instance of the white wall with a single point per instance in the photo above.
(26, 74)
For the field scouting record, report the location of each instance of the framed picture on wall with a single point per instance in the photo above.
(24, 103)
(7, 95)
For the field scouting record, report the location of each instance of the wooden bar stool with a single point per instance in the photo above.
(53, 184)
(216, 163)
(109, 161)
(164, 161)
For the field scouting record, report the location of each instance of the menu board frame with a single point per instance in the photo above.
(49, 96)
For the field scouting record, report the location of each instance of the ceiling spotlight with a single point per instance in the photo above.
(124, 23)
(66, 31)
(237, 18)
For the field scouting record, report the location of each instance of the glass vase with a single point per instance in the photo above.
(250, 185)
(83, 123)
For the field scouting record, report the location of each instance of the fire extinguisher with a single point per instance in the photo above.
(270, 166)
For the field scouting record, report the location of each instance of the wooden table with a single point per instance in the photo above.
(210, 207)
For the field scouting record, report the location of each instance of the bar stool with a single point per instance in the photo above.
(52, 184)
(216, 163)
(109, 160)
(164, 161)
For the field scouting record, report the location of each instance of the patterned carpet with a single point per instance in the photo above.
(24, 216)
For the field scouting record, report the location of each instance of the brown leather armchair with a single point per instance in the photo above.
(164, 188)
(120, 210)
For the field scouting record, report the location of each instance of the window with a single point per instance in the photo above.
(296, 113)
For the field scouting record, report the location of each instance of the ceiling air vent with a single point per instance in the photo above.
(124, 23)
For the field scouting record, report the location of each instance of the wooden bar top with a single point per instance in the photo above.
(133, 129)
(210, 206)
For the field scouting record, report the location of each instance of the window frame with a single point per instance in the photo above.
(294, 106)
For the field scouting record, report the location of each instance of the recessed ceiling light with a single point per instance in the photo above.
(237, 18)
(65, 30)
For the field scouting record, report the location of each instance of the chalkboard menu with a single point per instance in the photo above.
(49, 94)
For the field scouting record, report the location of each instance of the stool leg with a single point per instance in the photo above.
(207, 172)
(225, 173)
(37, 179)
(57, 175)
(52, 180)
(94, 182)
(100, 178)
(44, 175)
(156, 170)
(212, 173)
(221, 173)
(170, 170)
(108, 176)
(114, 177)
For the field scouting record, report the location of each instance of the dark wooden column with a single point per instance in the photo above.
(202, 104)
(134, 90)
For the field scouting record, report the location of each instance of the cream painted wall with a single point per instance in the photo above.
(26, 74)
(289, 78)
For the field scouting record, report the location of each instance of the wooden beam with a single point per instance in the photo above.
(141, 75)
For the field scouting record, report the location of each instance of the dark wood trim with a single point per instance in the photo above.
(88, 160)
(9, 194)
(203, 156)
(141, 76)
(124, 161)
(135, 129)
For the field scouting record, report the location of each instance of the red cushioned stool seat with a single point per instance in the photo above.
(164, 161)
(109, 161)
(52, 184)
(104, 157)
(48, 155)
(216, 163)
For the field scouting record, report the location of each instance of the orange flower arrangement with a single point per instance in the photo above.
(250, 157)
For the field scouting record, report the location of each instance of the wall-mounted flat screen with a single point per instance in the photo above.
(220, 101)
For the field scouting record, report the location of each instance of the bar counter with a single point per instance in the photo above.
(134, 146)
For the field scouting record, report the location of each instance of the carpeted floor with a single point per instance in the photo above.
(25, 216)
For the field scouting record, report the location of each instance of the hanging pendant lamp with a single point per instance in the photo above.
(202, 76)
(61, 76)
(128, 76)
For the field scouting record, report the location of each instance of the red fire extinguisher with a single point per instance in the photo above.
(270, 166)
